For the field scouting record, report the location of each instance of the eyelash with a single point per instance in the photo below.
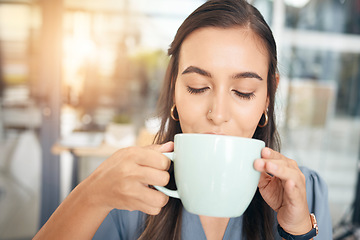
(246, 96)
(196, 90)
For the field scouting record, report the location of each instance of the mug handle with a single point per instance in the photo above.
(170, 193)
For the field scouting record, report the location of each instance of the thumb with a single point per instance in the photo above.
(166, 147)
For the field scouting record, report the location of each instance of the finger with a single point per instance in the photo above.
(166, 147)
(261, 163)
(284, 172)
(279, 169)
(154, 159)
(145, 208)
(292, 180)
(153, 198)
(151, 176)
(268, 153)
(150, 201)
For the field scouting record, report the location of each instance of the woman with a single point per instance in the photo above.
(221, 79)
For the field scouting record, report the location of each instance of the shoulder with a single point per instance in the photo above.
(317, 198)
(121, 224)
(315, 184)
(309, 173)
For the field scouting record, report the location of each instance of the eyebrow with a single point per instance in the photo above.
(247, 75)
(193, 69)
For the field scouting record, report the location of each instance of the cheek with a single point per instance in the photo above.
(247, 120)
(248, 116)
(190, 113)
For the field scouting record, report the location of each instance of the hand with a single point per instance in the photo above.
(123, 180)
(282, 186)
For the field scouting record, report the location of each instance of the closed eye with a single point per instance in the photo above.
(246, 96)
(196, 90)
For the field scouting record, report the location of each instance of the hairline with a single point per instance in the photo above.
(260, 43)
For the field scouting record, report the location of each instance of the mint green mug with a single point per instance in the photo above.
(214, 174)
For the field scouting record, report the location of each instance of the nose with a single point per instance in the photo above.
(219, 110)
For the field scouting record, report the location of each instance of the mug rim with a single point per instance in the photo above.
(218, 135)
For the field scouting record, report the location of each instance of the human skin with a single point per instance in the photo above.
(221, 88)
(121, 182)
(222, 70)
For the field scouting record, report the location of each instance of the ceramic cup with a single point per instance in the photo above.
(214, 174)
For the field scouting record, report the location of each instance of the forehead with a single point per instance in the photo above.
(219, 45)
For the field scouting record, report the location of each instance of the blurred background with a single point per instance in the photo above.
(80, 79)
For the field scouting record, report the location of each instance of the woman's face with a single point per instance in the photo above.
(221, 86)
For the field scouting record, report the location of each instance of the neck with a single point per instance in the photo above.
(214, 227)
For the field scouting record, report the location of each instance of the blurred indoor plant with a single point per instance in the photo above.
(120, 132)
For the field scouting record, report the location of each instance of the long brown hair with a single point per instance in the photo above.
(258, 218)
